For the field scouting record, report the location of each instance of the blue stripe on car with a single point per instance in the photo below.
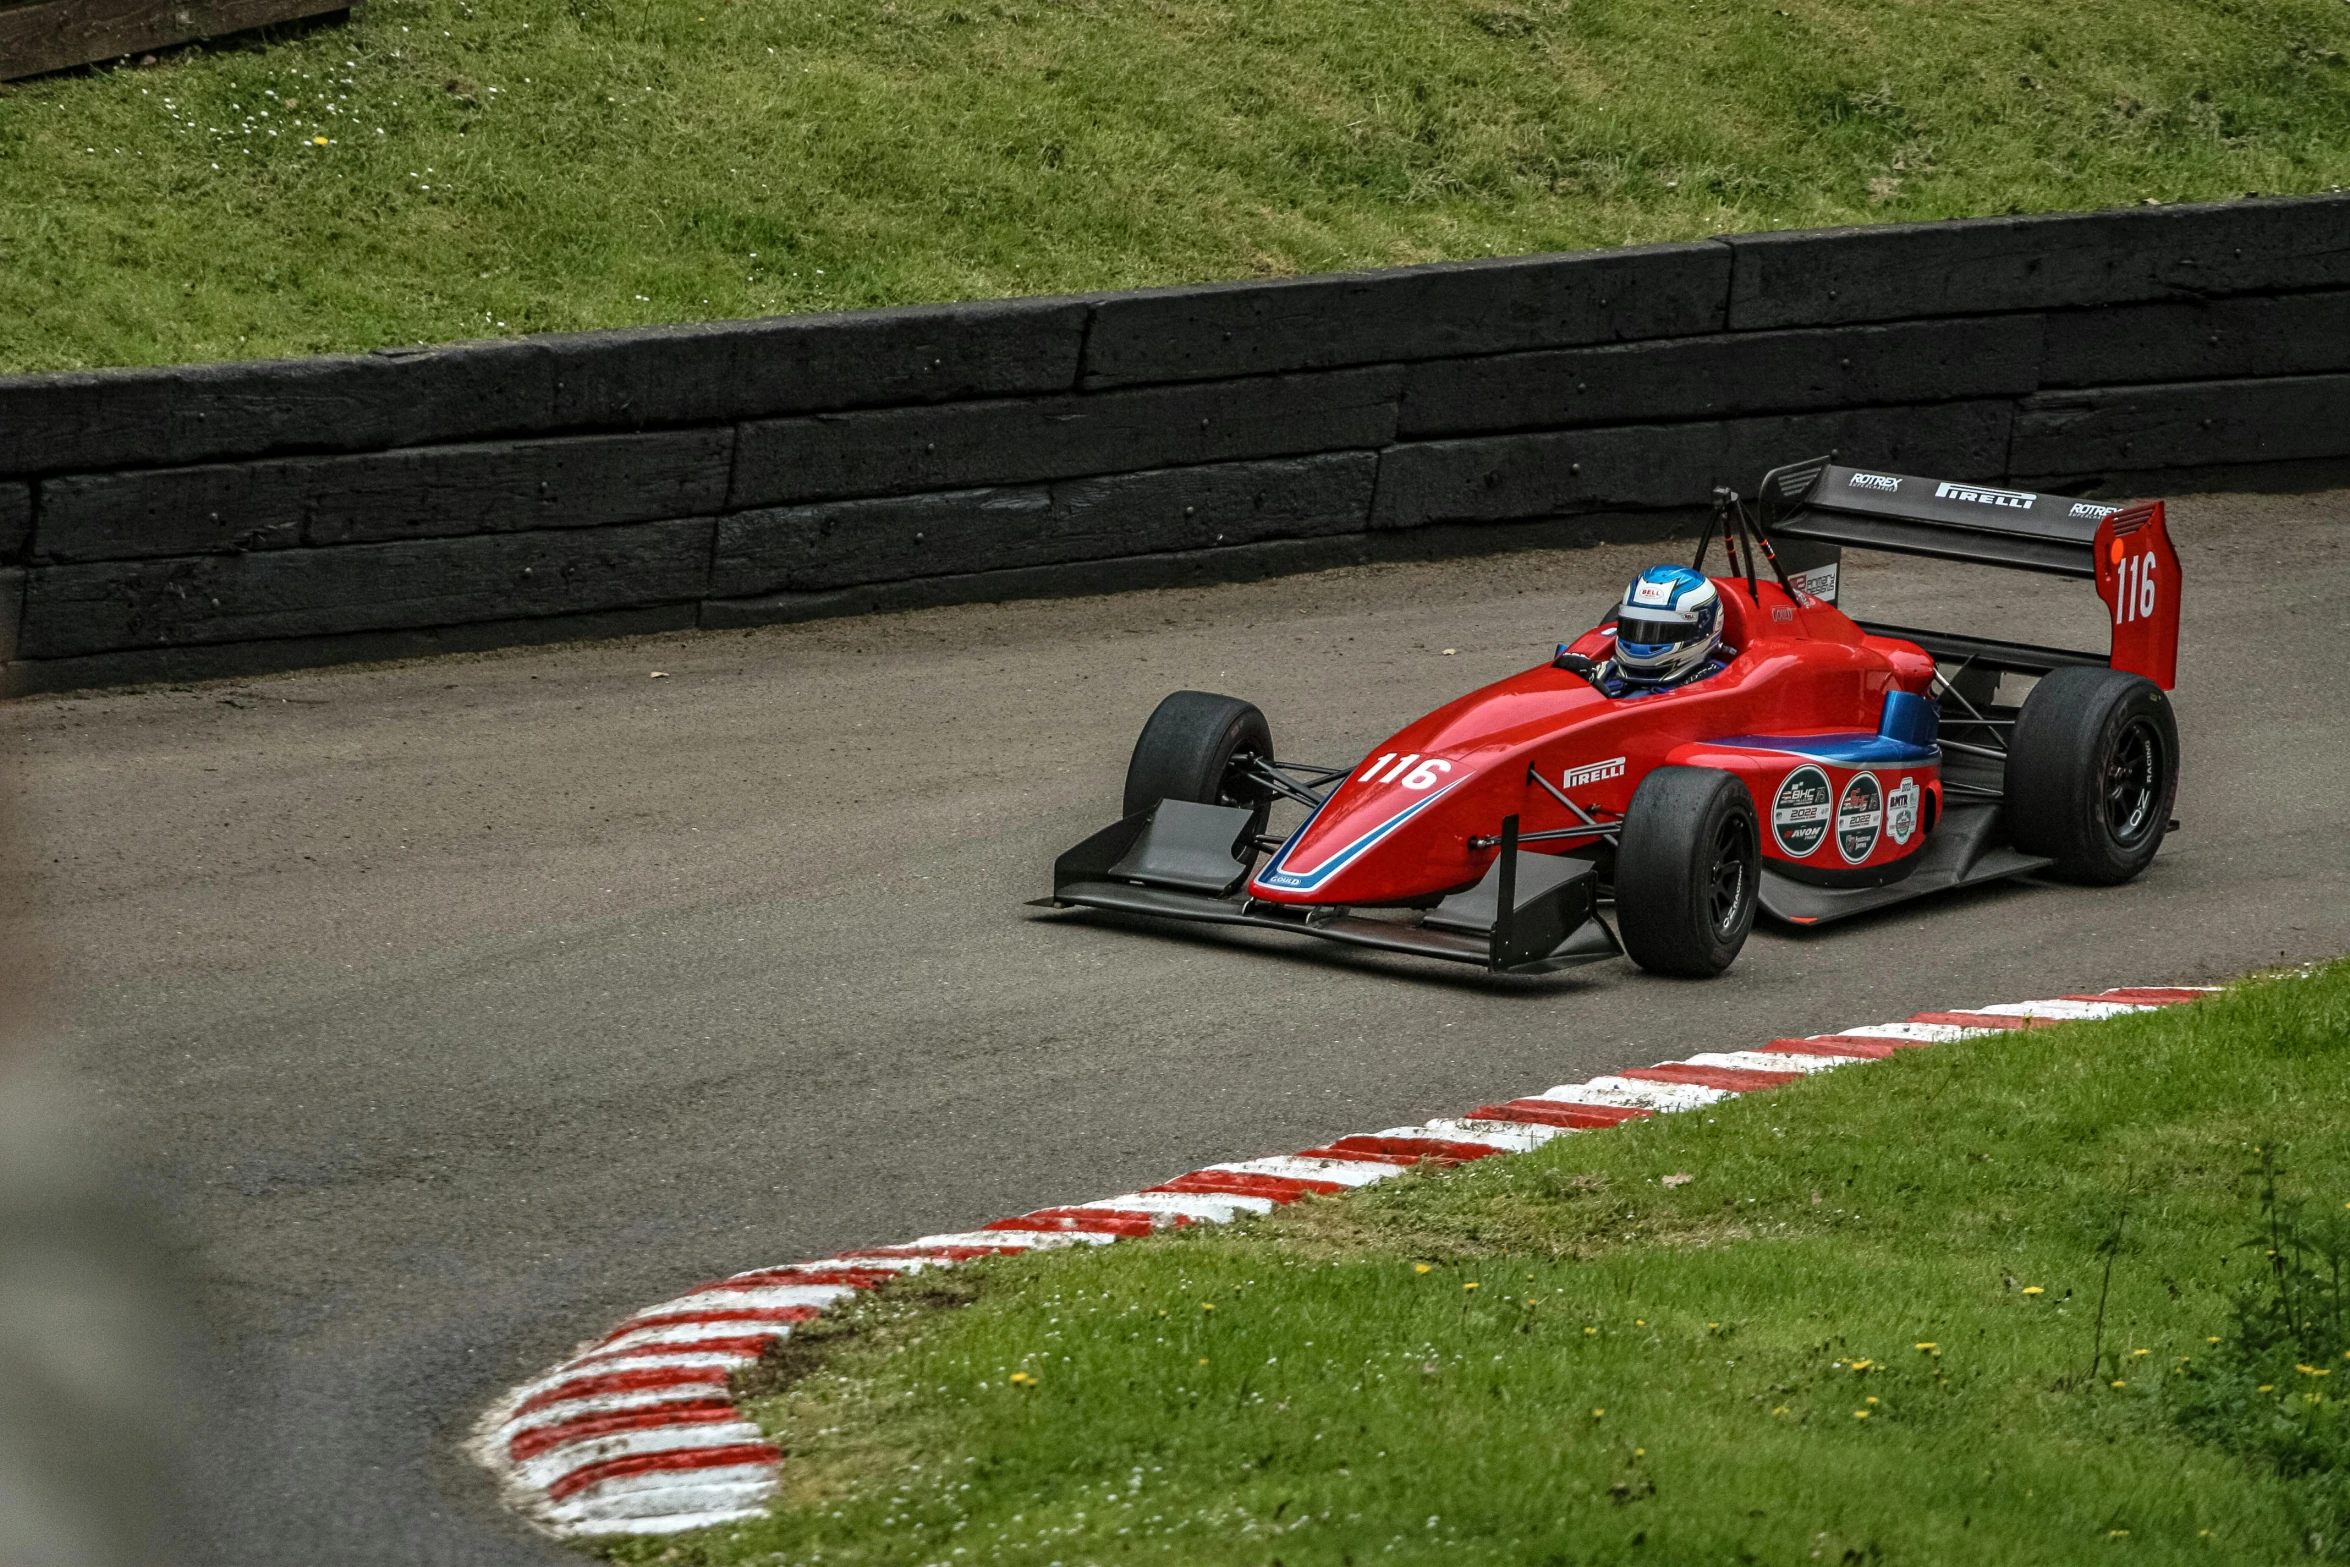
(1849, 750)
(1274, 878)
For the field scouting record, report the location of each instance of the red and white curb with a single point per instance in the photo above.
(637, 1433)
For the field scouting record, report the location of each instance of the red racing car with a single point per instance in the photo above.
(1821, 767)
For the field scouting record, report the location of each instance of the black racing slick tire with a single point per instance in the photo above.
(1196, 746)
(2092, 767)
(1688, 871)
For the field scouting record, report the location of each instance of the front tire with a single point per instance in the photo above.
(1688, 871)
(1197, 746)
(2092, 769)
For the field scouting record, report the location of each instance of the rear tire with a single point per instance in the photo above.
(1196, 746)
(2092, 769)
(1688, 871)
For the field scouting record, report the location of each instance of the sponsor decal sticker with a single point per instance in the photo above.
(2021, 500)
(1901, 810)
(1593, 772)
(1874, 481)
(1818, 584)
(1799, 816)
(2092, 509)
(1652, 593)
(1860, 813)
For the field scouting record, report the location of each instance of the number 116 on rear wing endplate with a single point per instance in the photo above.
(1818, 508)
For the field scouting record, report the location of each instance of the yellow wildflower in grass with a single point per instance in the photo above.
(1782, 1409)
(1022, 1379)
(2315, 1371)
(320, 141)
(1860, 1414)
(1207, 1305)
(1928, 1344)
(1203, 1360)
(1640, 1322)
(2034, 1289)
(1591, 1330)
(1862, 1365)
(1872, 1398)
(2118, 1382)
(1419, 1267)
(2212, 1339)
(2115, 1534)
(1596, 1413)
(2141, 1352)
(2268, 1387)
(1472, 1284)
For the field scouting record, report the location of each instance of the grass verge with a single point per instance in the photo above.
(2042, 1297)
(443, 169)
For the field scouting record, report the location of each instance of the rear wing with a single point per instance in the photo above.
(1820, 507)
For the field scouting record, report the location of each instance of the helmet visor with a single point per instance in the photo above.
(1647, 631)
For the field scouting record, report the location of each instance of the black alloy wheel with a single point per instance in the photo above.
(2133, 778)
(1733, 872)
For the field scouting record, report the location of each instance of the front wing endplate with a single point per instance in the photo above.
(1131, 867)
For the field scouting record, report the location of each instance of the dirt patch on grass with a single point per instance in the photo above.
(885, 1318)
(1536, 1206)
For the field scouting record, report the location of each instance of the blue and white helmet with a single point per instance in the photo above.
(1668, 625)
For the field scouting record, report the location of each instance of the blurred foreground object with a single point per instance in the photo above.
(99, 1387)
(94, 1347)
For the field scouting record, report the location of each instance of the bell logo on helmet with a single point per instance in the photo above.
(1667, 627)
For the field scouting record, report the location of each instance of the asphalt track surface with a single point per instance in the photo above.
(456, 1008)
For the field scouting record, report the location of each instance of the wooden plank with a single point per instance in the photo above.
(50, 35)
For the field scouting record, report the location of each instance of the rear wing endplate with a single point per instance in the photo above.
(2125, 550)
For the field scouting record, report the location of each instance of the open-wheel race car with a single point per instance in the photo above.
(1819, 767)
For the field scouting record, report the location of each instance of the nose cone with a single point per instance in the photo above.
(1399, 827)
(1368, 844)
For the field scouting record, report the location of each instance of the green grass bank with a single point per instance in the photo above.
(442, 169)
(2072, 1294)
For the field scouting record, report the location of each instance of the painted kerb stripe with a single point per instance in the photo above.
(637, 1434)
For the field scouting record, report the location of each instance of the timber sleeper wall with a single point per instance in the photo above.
(51, 35)
(221, 519)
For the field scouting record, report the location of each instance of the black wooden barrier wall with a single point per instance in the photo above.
(222, 519)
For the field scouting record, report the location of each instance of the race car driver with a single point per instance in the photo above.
(1668, 634)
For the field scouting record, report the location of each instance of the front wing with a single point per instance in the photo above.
(1532, 914)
